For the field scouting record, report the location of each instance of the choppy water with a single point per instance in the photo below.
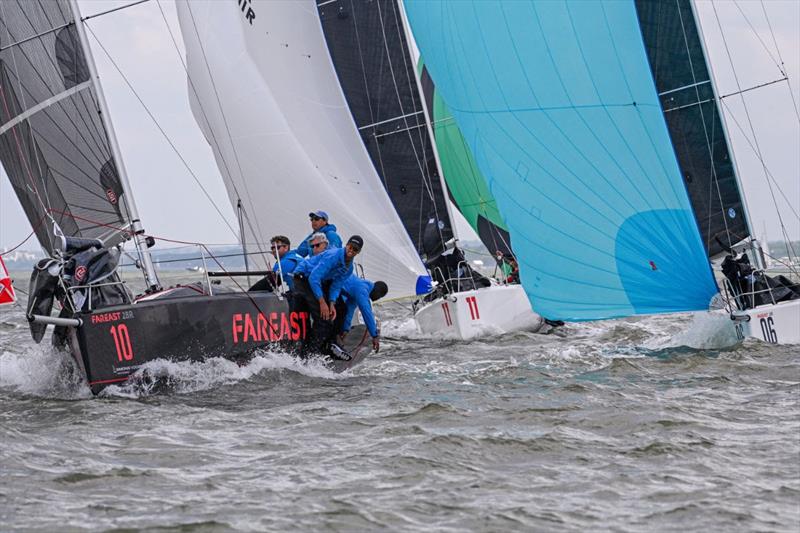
(611, 426)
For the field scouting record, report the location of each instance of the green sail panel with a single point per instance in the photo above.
(466, 185)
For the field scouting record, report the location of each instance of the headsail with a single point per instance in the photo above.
(53, 142)
(268, 100)
(368, 47)
(559, 108)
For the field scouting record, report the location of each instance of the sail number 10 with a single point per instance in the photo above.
(122, 341)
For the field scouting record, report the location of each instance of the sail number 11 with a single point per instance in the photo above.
(122, 341)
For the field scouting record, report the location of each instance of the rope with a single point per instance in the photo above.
(161, 130)
(248, 197)
(782, 67)
(33, 231)
(752, 128)
(18, 245)
(206, 119)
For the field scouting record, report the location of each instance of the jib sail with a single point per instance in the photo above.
(266, 96)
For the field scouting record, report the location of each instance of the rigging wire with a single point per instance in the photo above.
(769, 174)
(713, 169)
(422, 129)
(421, 164)
(160, 129)
(780, 57)
(752, 128)
(779, 62)
(257, 229)
(251, 227)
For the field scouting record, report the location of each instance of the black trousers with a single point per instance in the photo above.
(322, 331)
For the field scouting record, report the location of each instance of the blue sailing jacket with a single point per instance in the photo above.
(355, 293)
(288, 263)
(327, 266)
(334, 241)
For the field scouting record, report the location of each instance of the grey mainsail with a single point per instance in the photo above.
(53, 142)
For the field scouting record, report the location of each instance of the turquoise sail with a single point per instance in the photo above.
(557, 103)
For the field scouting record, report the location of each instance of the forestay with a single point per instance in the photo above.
(53, 143)
(265, 93)
(558, 105)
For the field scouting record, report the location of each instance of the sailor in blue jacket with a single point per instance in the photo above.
(326, 272)
(360, 293)
(287, 259)
(319, 224)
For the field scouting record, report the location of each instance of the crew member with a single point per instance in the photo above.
(318, 243)
(288, 260)
(326, 272)
(360, 293)
(319, 224)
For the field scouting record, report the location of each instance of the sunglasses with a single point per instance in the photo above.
(317, 245)
(317, 218)
(355, 248)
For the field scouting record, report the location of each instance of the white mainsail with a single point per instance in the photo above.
(265, 94)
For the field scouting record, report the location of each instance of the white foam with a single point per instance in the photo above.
(701, 331)
(41, 370)
(194, 376)
(401, 328)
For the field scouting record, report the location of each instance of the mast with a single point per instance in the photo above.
(139, 237)
(242, 237)
(426, 114)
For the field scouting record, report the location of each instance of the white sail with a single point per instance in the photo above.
(266, 95)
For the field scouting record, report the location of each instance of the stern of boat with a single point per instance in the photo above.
(477, 313)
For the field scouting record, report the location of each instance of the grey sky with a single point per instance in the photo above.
(173, 205)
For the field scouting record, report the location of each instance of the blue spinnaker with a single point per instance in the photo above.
(557, 103)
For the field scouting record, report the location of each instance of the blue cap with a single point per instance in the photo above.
(320, 214)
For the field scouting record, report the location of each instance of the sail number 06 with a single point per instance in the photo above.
(768, 330)
(122, 341)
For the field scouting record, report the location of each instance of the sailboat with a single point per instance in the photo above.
(376, 67)
(58, 148)
(597, 129)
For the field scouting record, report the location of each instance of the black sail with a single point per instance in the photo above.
(368, 47)
(53, 143)
(683, 81)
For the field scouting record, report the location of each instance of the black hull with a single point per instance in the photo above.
(112, 343)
